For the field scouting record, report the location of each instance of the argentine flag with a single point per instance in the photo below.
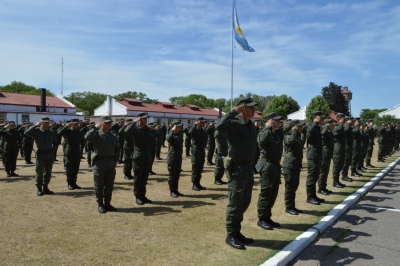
(239, 35)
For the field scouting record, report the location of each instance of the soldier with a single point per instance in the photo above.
(348, 150)
(220, 152)
(11, 147)
(153, 147)
(292, 164)
(188, 139)
(397, 141)
(210, 130)
(54, 128)
(381, 141)
(327, 153)
(363, 147)
(164, 134)
(174, 160)
(141, 156)
(314, 155)
(158, 133)
(105, 153)
(269, 168)
(89, 145)
(74, 139)
(2, 142)
(241, 134)
(115, 128)
(339, 138)
(27, 143)
(356, 147)
(198, 136)
(128, 150)
(45, 140)
(371, 143)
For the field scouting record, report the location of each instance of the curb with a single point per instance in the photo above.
(297, 246)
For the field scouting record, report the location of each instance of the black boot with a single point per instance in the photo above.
(8, 174)
(109, 207)
(47, 191)
(101, 207)
(39, 190)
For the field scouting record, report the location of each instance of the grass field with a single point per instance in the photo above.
(66, 228)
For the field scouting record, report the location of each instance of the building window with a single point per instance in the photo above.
(65, 111)
(25, 118)
(37, 108)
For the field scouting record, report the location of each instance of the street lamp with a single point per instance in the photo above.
(348, 95)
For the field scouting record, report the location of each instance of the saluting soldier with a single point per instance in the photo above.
(174, 160)
(356, 147)
(153, 146)
(348, 150)
(188, 140)
(269, 167)
(158, 132)
(115, 128)
(128, 150)
(198, 135)
(292, 164)
(11, 147)
(363, 147)
(210, 130)
(89, 146)
(339, 138)
(327, 153)
(382, 141)
(27, 143)
(314, 156)
(164, 133)
(141, 156)
(74, 140)
(241, 133)
(45, 142)
(371, 143)
(105, 157)
(221, 152)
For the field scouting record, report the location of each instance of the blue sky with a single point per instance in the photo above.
(179, 47)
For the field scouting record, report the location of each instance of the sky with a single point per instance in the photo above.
(181, 47)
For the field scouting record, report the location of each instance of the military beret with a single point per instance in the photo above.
(246, 102)
(142, 115)
(318, 113)
(201, 119)
(176, 123)
(106, 119)
(340, 115)
(129, 120)
(273, 116)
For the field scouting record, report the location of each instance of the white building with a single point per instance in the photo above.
(300, 114)
(395, 111)
(30, 108)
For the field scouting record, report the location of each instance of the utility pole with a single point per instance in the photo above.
(62, 75)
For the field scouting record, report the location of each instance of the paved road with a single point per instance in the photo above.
(369, 234)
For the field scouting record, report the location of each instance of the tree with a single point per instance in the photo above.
(283, 105)
(87, 101)
(261, 100)
(370, 114)
(195, 99)
(22, 88)
(318, 103)
(387, 119)
(335, 99)
(135, 95)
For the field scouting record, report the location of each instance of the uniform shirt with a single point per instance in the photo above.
(73, 140)
(270, 144)
(104, 144)
(294, 150)
(356, 139)
(45, 139)
(314, 141)
(199, 140)
(210, 136)
(175, 144)
(142, 141)
(11, 138)
(222, 144)
(128, 139)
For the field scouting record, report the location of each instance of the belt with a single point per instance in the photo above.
(242, 163)
(105, 157)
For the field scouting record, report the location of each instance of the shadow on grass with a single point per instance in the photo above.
(149, 211)
(76, 193)
(184, 203)
(208, 196)
(296, 227)
(16, 179)
(269, 244)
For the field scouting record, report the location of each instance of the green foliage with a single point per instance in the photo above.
(198, 100)
(87, 101)
(22, 88)
(318, 103)
(261, 100)
(387, 119)
(135, 95)
(283, 105)
(335, 99)
(370, 114)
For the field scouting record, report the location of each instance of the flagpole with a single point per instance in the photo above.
(232, 56)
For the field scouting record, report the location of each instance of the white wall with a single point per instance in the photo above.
(300, 114)
(393, 111)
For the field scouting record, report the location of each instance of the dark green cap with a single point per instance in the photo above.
(142, 115)
(106, 119)
(318, 113)
(176, 123)
(246, 102)
(273, 116)
(201, 119)
(340, 115)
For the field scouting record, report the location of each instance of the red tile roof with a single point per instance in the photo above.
(165, 107)
(10, 98)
